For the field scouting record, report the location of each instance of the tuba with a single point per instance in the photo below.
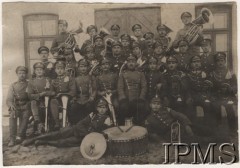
(192, 34)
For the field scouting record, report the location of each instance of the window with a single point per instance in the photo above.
(39, 30)
(220, 31)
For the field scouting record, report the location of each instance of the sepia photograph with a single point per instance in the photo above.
(119, 83)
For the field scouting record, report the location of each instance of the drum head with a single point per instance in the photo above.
(93, 146)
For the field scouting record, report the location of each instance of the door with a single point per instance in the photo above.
(148, 18)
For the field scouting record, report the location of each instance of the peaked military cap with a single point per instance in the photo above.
(136, 44)
(163, 26)
(60, 64)
(186, 14)
(156, 98)
(153, 59)
(83, 62)
(148, 35)
(21, 68)
(182, 42)
(172, 58)
(102, 102)
(43, 48)
(38, 65)
(219, 56)
(136, 26)
(125, 37)
(115, 26)
(195, 58)
(64, 22)
(131, 57)
(116, 43)
(89, 28)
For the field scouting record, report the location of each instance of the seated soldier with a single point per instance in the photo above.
(225, 90)
(18, 104)
(86, 92)
(161, 118)
(62, 85)
(132, 89)
(38, 88)
(72, 136)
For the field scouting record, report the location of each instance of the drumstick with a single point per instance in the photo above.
(129, 129)
(120, 129)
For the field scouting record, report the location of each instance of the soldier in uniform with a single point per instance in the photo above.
(92, 31)
(161, 118)
(163, 38)
(149, 39)
(115, 30)
(73, 136)
(86, 93)
(59, 43)
(141, 60)
(207, 58)
(153, 77)
(194, 48)
(225, 89)
(62, 85)
(98, 46)
(71, 63)
(159, 53)
(138, 35)
(18, 104)
(38, 88)
(132, 89)
(126, 45)
(49, 70)
(183, 56)
(174, 86)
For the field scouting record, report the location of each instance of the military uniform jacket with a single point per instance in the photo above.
(117, 62)
(153, 78)
(162, 121)
(148, 51)
(49, 70)
(132, 85)
(92, 123)
(17, 94)
(71, 68)
(39, 85)
(86, 88)
(107, 81)
(163, 40)
(207, 61)
(195, 81)
(183, 61)
(64, 84)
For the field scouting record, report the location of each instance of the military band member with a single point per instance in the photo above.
(163, 38)
(86, 93)
(43, 52)
(138, 35)
(174, 86)
(71, 63)
(161, 118)
(207, 58)
(38, 88)
(194, 48)
(72, 136)
(18, 104)
(132, 89)
(91, 31)
(115, 30)
(59, 43)
(126, 45)
(159, 53)
(62, 85)
(149, 40)
(98, 46)
(225, 89)
(141, 60)
(153, 78)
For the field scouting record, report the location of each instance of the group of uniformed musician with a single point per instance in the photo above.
(149, 81)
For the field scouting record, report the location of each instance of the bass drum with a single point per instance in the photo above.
(128, 142)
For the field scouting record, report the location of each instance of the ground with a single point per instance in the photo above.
(47, 155)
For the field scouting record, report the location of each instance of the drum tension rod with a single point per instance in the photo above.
(129, 129)
(120, 129)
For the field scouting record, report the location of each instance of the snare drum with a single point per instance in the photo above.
(130, 142)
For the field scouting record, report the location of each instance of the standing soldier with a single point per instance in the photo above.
(225, 89)
(38, 88)
(160, 54)
(98, 46)
(115, 30)
(62, 85)
(153, 77)
(86, 93)
(138, 35)
(132, 89)
(62, 41)
(149, 39)
(49, 70)
(17, 102)
(141, 60)
(174, 86)
(207, 56)
(126, 45)
(163, 38)
(71, 63)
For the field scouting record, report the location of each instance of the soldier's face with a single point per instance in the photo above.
(137, 32)
(183, 48)
(115, 32)
(21, 75)
(44, 55)
(221, 63)
(82, 69)
(98, 42)
(105, 67)
(186, 20)
(153, 66)
(162, 32)
(102, 109)
(136, 51)
(125, 43)
(155, 106)
(158, 50)
(92, 32)
(196, 65)
(62, 28)
(116, 50)
(69, 57)
(39, 72)
(172, 65)
(149, 41)
(206, 48)
(90, 55)
(131, 64)
(60, 70)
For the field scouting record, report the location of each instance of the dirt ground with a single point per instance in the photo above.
(47, 155)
